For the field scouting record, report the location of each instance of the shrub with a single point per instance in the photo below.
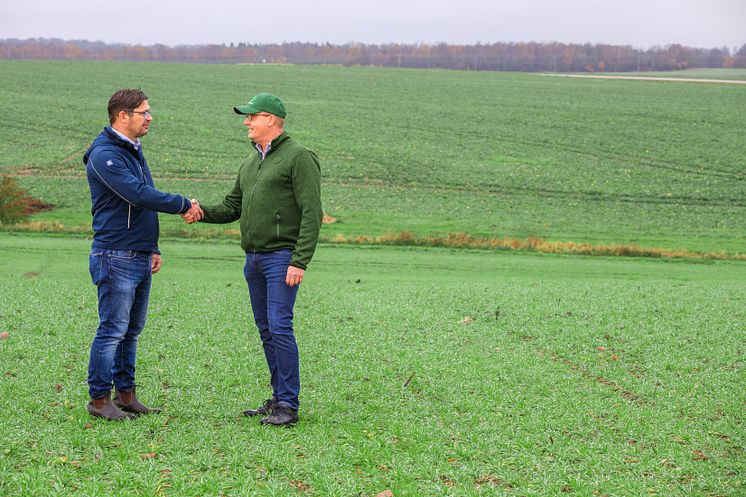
(15, 202)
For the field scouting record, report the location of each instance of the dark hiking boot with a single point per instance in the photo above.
(263, 410)
(281, 416)
(105, 408)
(127, 401)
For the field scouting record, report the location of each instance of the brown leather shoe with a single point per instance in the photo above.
(105, 408)
(127, 401)
(264, 409)
(281, 416)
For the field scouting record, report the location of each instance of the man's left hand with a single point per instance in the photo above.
(294, 276)
(156, 263)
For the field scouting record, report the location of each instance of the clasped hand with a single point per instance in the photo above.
(194, 214)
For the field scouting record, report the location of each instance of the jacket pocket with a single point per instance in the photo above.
(277, 216)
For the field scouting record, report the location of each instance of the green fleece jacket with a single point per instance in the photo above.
(278, 201)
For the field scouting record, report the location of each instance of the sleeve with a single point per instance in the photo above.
(114, 173)
(227, 211)
(306, 174)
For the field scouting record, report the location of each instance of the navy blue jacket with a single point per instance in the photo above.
(124, 201)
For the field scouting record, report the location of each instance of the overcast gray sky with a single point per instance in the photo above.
(640, 23)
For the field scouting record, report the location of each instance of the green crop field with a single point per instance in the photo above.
(427, 371)
(726, 74)
(572, 376)
(428, 152)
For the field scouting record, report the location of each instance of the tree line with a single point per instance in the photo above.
(528, 56)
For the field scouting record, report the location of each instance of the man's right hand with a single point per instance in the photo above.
(194, 214)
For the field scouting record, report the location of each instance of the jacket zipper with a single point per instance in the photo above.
(129, 207)
(251, 195)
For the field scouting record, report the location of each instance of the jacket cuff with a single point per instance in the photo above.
(299, 265)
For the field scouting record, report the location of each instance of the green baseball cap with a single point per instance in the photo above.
(262, 102)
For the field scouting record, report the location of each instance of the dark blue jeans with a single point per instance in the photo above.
(123, 280)
(272, 302)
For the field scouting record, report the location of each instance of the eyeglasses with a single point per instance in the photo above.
(252, 116)
(143, 113)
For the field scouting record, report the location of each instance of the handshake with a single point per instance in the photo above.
(194, 214)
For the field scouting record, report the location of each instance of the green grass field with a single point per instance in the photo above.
(577, 376)
(726, 74)
(430, 152)
(426, 371)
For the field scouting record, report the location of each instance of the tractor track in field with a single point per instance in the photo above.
(639, 161)
(546, 192)
(631, 161)
(585, 371)
(578, 195)
(648, 78)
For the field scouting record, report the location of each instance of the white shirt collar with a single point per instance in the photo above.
(135, 144)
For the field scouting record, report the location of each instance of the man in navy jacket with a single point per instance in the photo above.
(124, 254)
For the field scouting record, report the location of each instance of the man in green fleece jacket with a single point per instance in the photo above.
(277, 197)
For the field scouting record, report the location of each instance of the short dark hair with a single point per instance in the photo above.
(125, 99)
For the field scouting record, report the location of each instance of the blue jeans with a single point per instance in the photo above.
(123, 280)
(272, 302)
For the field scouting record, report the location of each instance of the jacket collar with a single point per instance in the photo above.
(274, 144)
(135, 144)
(121, 140)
